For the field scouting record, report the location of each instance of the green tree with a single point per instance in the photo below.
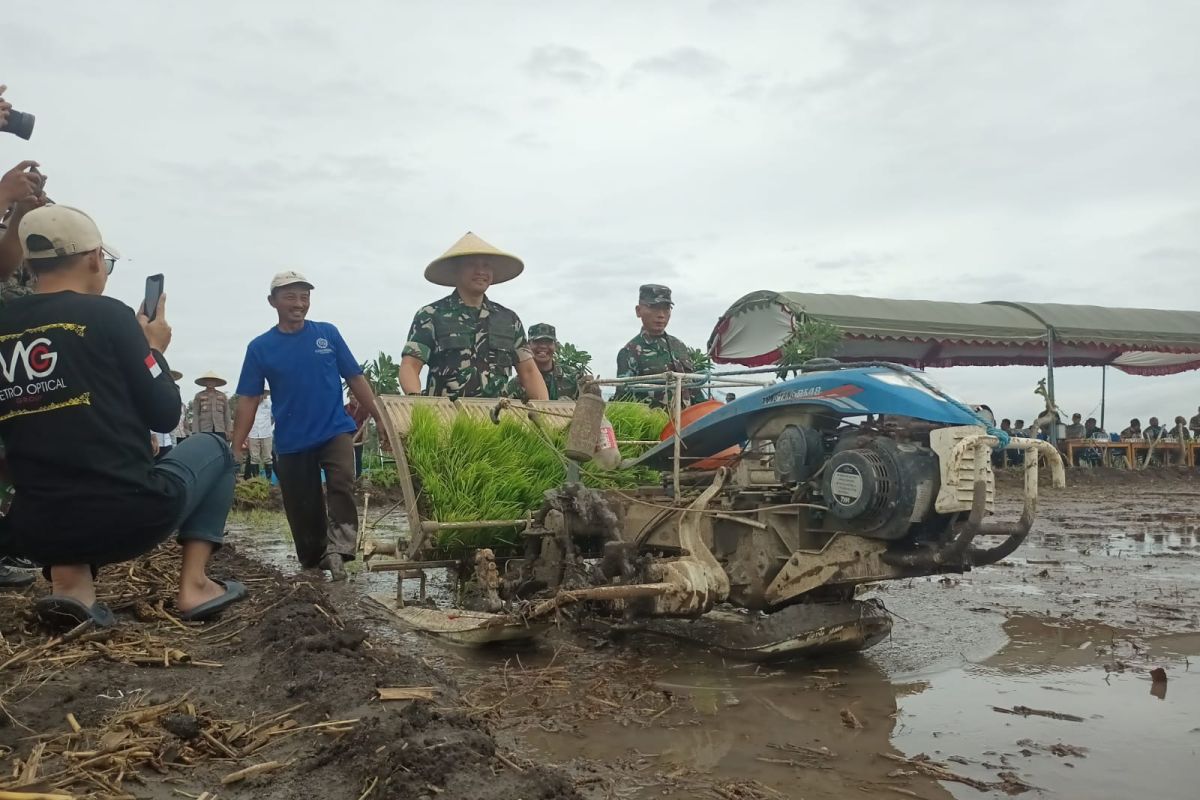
(701, 360)
(573, 361)
(701, 364)
(383, 374)
(812, 338)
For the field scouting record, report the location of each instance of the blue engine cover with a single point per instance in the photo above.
(853, 392)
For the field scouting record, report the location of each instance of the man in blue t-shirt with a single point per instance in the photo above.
(305, 362)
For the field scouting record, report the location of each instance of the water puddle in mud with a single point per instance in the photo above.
(1066, 625)
(1129, 730)
(266, 535)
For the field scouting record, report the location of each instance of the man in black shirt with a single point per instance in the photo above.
(82, 380)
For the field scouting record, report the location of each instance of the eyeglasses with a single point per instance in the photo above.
(109, 263)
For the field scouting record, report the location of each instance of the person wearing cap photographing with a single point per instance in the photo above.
(654, 351)
(84, 380)
(543, 342)
(470, 342)
(304, 363)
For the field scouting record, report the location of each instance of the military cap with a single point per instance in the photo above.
(542, 330)
(654, 294)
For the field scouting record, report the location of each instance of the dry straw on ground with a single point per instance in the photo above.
(102, 757)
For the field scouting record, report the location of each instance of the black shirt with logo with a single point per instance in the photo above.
(80, 391)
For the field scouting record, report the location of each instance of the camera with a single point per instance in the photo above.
(19, 124)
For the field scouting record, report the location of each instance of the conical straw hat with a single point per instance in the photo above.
(443, 270)
(210, 376)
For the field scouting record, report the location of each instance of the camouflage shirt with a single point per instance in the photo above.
(19, 284)
(470, 351)
(651, 355)
(558, 385)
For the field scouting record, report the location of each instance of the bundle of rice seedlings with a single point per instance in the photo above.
(475, 470)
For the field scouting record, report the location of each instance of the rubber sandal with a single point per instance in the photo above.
(59, 611)
(234, 591)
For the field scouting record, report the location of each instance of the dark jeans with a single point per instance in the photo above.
(202, 465)
(321, 522)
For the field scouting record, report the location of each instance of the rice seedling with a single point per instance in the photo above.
(475, 470)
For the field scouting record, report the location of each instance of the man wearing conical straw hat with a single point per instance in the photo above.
(470, 343)
(210, 407)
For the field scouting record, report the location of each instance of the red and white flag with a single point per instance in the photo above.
(152, 365)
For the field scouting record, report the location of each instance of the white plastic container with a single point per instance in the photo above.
(607, 456)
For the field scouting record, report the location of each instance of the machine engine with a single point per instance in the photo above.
(878, 487)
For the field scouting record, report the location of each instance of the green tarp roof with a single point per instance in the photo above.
(938, 333)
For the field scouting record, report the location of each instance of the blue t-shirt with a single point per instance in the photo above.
(305, 371)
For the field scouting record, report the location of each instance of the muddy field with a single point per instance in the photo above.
(285, 691)
(1064, 633)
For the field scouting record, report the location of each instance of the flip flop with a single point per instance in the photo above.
(59, 611)
(234, 591)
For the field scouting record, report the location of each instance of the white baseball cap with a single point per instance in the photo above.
(68, 230)
(289, 278)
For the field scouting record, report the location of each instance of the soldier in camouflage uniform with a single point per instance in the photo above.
(470, 343)
(24, 188)
(543, 341)
(19, 284)
(654, 351)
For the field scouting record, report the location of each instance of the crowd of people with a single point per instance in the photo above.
(1182, 431)
(105, 460)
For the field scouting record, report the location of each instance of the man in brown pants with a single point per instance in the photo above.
(305, 363)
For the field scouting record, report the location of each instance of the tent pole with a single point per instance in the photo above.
(1053, 437)
(1103, 392)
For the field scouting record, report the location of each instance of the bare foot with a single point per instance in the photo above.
(74, 581)
(191, 596)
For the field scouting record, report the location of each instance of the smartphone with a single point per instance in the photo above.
(154, 290)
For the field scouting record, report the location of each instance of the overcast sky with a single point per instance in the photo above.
(940, 150)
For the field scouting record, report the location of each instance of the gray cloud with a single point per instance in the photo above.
(893, 149)
(740, 8)
(689, 63)
(1182, 256)
(529, 139)
(863, 59)
(568, 65)
(275, 179)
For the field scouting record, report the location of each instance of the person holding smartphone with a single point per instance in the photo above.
(22, 189)
(83, 381)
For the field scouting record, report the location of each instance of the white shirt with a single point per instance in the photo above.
(263, 426)
(165, 440)
(182, 429)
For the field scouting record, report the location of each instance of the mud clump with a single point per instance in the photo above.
(185, 726)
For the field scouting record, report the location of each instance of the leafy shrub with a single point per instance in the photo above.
(383, 477)
(254, 493)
